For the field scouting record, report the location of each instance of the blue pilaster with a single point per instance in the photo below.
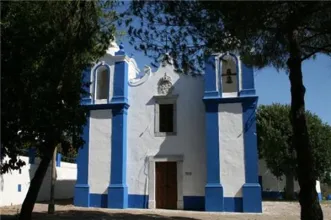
(213, 190)
(58, 159)
(247, 74)
(32, 155)
(86, 80)
(118, 190)
(120, 94)
(252, 198)
(82, 188)
(210, 78)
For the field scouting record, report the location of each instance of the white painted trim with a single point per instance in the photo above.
(151, 178)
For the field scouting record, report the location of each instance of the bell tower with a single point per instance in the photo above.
(231, 142)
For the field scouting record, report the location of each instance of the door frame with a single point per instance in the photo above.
(151, 178)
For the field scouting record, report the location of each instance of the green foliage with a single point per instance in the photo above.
(275, 141)
(189, 30)
(45, 48)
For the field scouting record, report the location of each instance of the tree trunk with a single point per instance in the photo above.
(310, 207)
(35, 184)
(51, 205)
(289, 187)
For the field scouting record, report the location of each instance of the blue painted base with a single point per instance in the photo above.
(277, 195)
(214, 198)
(193, 203)
(252, 198)
(138, 201)
(117, 196)
(98, 200)
(82, 195)
(233, 204)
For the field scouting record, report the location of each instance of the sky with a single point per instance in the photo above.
(274, 87)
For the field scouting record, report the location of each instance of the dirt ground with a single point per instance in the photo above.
(271, 211)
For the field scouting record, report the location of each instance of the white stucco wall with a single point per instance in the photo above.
(99, 151)
(64, 185)
(232, 164)
(271, 183)
(189, 143)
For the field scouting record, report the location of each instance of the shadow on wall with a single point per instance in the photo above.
(84, 215)
(64, 185)
(183, 144)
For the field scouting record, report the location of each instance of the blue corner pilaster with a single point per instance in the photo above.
(248, 87)
(58, 159)
(120, 94)
(32, 155)
(214, 200)
(210, 78)
(118, 190)
(86, 80)
(252, 198)
(82, 188)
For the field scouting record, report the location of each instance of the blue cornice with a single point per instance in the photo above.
(217, 99)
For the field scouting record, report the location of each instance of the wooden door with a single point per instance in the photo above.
(166, 185)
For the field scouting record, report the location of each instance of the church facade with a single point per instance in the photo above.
(167, 140)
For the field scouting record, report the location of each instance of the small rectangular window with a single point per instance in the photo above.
(166, 117)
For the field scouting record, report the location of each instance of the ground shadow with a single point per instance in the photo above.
(88, 215)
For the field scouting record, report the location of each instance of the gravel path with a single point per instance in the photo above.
(271, 211)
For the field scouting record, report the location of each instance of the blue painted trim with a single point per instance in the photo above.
(19, 188)
(98, 200)
(86, 101)
(95, 70)
(252, 198)
(138, 201)
(320, 197)
(107, 106)
(120, 93)
(32, 155)
(247, 92)
(210, 77)
(248, 87)
(194, 203)
(219, 100)
(82, 189)
(118, 190)
(272, 195)
(58, 159)
(233, 204)
(86, 79)
(213, 188)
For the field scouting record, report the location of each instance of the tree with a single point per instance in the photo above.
(45, 48)
(280, 34)
(275, 142)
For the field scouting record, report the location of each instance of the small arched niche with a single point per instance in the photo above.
(102, 83)
(229, 74)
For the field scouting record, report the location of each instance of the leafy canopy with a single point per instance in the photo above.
(275, 141)
(189, 30)
(45, 48)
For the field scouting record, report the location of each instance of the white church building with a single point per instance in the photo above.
(167, 140)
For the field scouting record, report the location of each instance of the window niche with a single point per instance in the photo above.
(165, 109)
(102, 83)
(229, 74)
